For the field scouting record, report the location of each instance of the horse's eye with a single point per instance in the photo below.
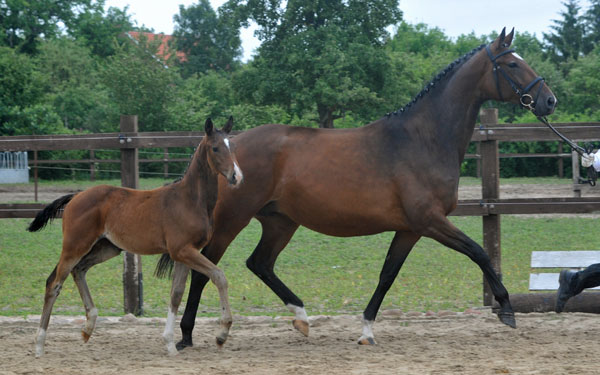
(512, 64)
(215, 149)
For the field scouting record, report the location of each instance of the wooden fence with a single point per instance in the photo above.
(490, 207)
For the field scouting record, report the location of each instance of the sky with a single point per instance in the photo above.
(454, 17)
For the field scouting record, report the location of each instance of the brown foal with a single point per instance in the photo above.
(100, 222)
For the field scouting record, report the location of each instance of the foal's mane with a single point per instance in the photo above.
(443, 74)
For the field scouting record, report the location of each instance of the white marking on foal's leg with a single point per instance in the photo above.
(90, 324)
(367, 337)
(301, 321)
(168, 334)
(40, 339)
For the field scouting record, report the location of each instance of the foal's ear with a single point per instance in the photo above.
(227, 128)
(208, 127)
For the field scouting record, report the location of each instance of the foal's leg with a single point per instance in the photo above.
(225, 232)
(277, 230)
(401, 246)
(102, 251)
(54, 284)
(179, 278)
(196, 261)
(443, 231)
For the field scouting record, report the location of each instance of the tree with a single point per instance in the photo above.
(23, 22)
(592, 26)
(566, 41)
(140, 85)
(209, 42)
(100, 31)
(74, 86)
(324, 56)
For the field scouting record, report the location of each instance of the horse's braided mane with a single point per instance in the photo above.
(441, 75)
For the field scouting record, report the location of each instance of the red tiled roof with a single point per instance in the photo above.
(164, 52)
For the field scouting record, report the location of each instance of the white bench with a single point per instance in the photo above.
(558, 259)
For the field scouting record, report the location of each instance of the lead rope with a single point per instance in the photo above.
(592, 175)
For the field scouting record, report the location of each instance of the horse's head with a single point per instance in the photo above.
(221, 152)
(511, 79)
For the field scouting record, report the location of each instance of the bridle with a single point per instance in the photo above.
(526, 99)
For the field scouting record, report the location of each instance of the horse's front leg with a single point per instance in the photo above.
(177, 288)
(198, 262)
(443, 231)
(400, 247)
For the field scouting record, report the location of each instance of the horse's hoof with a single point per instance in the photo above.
(172, 350)
(220, 341)
(366, 341)
(508, 318)
(301, 326)
(184, 344)
(86, 336)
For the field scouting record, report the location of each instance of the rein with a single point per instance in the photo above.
(527, 101)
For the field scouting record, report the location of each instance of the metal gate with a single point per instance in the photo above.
(13, 167)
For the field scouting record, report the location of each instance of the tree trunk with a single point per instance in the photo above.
(325, 116)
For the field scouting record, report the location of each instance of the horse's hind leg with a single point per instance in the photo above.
(177, 288)
(277, 230)
(401, 246)
(196, 261)
(54, 284)
(443, 231)
(102, 251)
(74, 248)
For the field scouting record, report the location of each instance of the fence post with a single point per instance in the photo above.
(490, 189)
(576, 175)
(166, 163)
(561, 164)
(92, 169)
(35, 176)
(132, 263)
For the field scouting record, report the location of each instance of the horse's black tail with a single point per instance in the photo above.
(164, 267)
(49, 212)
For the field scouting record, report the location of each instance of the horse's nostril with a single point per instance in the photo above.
(551, 101)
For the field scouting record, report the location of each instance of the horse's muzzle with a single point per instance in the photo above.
(545, 106)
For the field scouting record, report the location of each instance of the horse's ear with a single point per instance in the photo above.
(508, 39)
(499, 42)
(227, 128)
(208, 127)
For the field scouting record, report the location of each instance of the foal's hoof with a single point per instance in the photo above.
(220, 341)
(184, 344)
(301, 326)
(86, 336)
(508, 318)
(366, 341)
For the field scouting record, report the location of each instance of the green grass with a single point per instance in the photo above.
(332, 275)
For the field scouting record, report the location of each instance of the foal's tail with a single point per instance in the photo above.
(49, 212)
(164, 267)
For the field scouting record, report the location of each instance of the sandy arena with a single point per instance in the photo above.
(473, 342)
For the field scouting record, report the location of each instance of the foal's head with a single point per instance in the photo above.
(220, 152)
(512, 79)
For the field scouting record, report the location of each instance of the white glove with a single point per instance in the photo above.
(587, 159)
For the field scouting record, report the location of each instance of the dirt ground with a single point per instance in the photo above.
(473, 342)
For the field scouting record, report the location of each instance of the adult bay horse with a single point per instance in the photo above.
(100, 222)
(399, 173)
